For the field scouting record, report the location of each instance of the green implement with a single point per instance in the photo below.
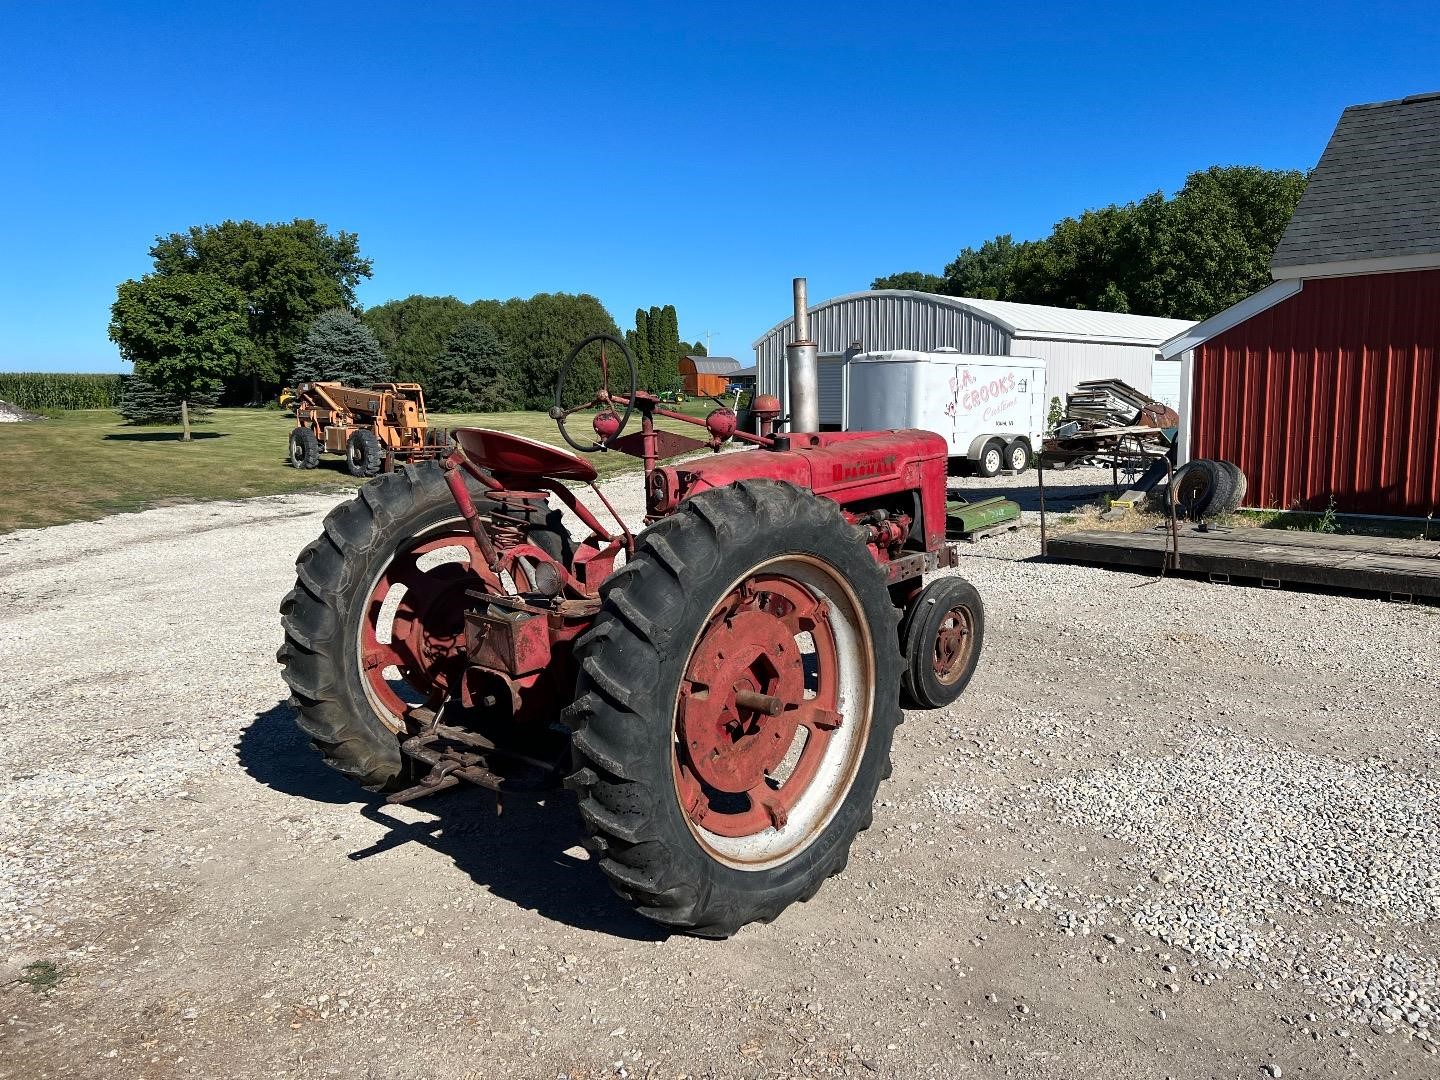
(965, 520)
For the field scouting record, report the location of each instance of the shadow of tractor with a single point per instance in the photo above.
(528, 855)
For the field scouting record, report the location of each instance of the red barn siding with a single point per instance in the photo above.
(1333, 392)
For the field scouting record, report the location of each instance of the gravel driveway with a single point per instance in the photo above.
(1173, 829)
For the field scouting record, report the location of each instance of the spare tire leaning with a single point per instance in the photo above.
(1238, 487)
(1203, 488)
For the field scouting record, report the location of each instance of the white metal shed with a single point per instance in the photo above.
(1076, 345)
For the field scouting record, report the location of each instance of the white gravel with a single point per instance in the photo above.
(1247, 844)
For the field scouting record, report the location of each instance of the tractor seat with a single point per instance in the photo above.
(508, 455)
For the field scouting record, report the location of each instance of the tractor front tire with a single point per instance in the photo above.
(304, 448)
(943, 634)
(680, 785)
(363, 455)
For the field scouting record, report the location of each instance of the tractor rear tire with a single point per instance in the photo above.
(678, 605)
(938, 668)
(363, 455)
(304, 448)
(332, 599)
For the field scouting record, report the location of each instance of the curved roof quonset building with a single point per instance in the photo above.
(1076, 345)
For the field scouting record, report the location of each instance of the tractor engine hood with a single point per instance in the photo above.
(844, 465)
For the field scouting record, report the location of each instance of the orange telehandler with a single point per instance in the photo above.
(373, 426)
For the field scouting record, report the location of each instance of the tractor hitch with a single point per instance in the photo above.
(457, 754)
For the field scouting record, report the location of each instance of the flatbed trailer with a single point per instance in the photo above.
(1398, 569)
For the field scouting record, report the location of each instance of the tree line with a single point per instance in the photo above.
(235, 310)
(1186, 257)
(492, 355)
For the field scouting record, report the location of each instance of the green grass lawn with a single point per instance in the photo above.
(83, 465)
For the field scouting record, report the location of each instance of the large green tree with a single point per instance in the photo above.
(413, 332)
(341, 348)
(473, 374)
(183, 332)
(287, 272)
(915, 280)
(539, 333)
(1217, 237)
(1185, 257)
(987, 272)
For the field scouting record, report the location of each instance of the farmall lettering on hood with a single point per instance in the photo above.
(864, 468)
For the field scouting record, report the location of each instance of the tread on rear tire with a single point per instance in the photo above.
(631, 662)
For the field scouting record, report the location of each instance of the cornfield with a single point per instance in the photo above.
(57, 390)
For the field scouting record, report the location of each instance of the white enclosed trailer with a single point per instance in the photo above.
(991, 409)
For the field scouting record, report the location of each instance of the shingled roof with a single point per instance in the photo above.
(714, 365)
(1373, 202)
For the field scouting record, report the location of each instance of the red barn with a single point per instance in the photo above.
(1326, 384)
(707, 375)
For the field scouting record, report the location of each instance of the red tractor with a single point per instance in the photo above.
(722, 703)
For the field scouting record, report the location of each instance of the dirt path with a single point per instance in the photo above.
(216, 903)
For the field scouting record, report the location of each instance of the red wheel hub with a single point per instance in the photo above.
(425, 629)
(749, 690)
(953, 643)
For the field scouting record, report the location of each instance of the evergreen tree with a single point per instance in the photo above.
(639, 342)
(667, 361)
(339, 347)
(143, 402)
(473, 374)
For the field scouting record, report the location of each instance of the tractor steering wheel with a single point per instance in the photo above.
(607, 424)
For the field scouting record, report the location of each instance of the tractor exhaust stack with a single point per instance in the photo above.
(802, 358)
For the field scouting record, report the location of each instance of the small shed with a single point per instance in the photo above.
(1076, 345)
(707, 374)
(1326, 384)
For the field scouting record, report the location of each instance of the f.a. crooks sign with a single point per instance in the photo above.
(983, 392)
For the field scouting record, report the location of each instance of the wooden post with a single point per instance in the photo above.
(185, 419)
(1040, 480)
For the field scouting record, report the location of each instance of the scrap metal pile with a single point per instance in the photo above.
(1108, 421)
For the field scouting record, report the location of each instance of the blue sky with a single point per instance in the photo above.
(693, 154)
